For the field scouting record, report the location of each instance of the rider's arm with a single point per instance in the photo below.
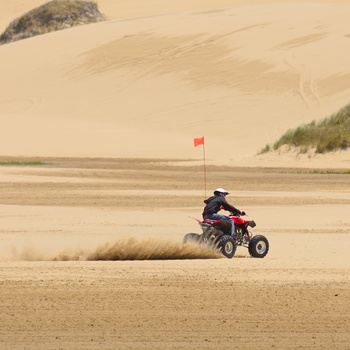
(230, 207)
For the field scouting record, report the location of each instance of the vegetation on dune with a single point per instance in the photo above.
(52, 16)
(21, 163)
(329, 134)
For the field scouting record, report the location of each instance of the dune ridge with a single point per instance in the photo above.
(154, 83)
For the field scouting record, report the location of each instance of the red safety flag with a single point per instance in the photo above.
(198, 141)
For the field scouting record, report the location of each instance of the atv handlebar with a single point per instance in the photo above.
(243, 213)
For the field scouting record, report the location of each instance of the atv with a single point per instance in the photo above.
(216, 233)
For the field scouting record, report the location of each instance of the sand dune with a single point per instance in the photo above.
(145, 83)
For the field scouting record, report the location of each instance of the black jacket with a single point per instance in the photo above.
(214, 204)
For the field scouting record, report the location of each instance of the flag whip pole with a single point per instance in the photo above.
(205, 172)
(200, 141)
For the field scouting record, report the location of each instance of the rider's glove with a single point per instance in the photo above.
(243, 213)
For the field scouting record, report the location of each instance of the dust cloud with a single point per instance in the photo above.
(149, 249)
(127, 248)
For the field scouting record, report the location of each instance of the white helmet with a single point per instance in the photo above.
(221, 191)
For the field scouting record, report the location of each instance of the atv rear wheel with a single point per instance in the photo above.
(191, 238)
(258, 246)
(227, 245)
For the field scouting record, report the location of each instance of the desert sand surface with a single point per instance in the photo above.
(92, 258)
(91, 253)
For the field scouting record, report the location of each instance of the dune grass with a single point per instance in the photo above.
(52, 16)
(327, 135)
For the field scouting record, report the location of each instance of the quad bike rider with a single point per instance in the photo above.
(227, 232)
(217, 202)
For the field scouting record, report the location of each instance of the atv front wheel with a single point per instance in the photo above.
(191, 238)
(258, 246)
(227, 245)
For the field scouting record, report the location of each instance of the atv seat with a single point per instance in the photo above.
(221, 225)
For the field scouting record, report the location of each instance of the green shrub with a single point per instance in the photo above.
(52, 16)
(266, 149)
(330, 134)
(21, 163)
